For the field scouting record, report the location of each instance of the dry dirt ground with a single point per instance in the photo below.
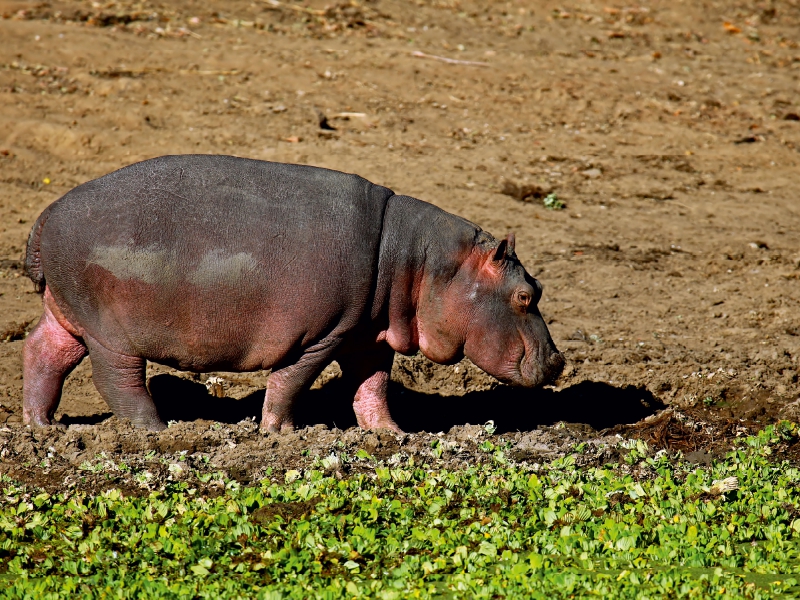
(671, 131)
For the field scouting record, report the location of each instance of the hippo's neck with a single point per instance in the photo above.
(422, 248)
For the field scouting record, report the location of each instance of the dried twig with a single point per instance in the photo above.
(449, 61)
(209, 72)
(275, 5)
(348, 115)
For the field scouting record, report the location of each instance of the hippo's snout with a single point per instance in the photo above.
(554, 366)
(541, 368)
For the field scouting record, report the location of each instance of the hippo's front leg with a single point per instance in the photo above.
(285, 384)
(371, 370)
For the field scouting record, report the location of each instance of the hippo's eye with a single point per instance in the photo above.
(523, 299)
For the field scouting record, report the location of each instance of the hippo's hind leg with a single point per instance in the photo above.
(120, 380)
(50, 353)
(285, 384)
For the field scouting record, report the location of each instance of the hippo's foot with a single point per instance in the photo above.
(367, 419)
(150, 424)
(38, 423)
(276, 416)
(274, 425)
(48, 356)
(390, 425)
(370, 405)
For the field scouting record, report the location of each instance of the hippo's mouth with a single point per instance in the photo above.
(554, 366)
(539, 366)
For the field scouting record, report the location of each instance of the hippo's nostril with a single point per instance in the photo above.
(554, 366)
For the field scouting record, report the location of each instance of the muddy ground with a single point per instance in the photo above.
(670, 130)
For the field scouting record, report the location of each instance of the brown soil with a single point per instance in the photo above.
(671, 131)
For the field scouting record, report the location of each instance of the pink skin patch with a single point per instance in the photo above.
(370, 406)
(50, 353)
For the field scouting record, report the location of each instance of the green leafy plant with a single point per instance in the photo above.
(552, 202)
(400, 530)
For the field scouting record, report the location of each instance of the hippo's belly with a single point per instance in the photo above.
(221, 315)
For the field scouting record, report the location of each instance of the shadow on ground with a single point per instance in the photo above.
(512, 409)
(85, 419)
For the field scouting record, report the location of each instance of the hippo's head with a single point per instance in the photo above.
(489, 309)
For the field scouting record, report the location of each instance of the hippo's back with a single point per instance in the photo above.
(206, 246)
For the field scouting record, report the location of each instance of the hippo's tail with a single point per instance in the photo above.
(33, 253)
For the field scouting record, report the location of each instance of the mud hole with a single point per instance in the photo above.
(670, 132)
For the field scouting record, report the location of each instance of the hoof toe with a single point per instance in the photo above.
(385, 425)
(150, 425)
(393, 428)
(55, 425)
(277, 427)
(42, 422)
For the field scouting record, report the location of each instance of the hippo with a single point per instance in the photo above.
(218, 263)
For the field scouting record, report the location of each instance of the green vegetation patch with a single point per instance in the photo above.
(650, 527)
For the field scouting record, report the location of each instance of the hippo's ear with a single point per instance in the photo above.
(505, 249)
